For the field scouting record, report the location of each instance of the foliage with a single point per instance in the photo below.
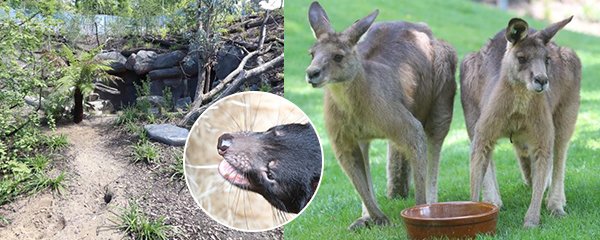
(26, 176)
(27, 67)
(129, 114)
(138, 226)
(57, 142)
(144, 151)
(82, 70)
(175, 169)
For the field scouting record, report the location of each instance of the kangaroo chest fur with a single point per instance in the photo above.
(521, 116)
(348, 116)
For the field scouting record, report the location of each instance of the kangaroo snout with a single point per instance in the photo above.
(540, 83)
(313, 76)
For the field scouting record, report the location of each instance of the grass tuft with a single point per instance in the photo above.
(138, 226)
(145, 151)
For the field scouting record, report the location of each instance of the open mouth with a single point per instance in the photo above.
(317, 85)
(232, 175)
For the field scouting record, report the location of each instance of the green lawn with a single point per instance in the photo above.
(467, 26)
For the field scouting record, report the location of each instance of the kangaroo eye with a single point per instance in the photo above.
(547, 60)
(338, 57)
(522, 60)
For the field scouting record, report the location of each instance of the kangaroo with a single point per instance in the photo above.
(522, 86)
(397, 84)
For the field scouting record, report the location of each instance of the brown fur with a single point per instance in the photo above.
(501, 98)
(396, 84)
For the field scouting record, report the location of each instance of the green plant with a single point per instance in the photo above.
(81, 74)
(38, 163)
(175, 169)
(56, 142)
(265, 88)
(129, 114)
(57, 183)
(144, 151)
(168, 96)
(4, 221)
(138, 226)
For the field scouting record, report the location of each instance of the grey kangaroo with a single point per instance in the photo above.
(398, 84)
(522, 86)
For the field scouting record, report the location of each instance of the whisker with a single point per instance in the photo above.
(202, 166)
(257, 111)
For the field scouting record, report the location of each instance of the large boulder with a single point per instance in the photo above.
(167, 134)
(160, 74)
(142, 62)
(228, 59)
(167, 60)
(155, 101)
(190, 64)
(117, 61)
(126, 90)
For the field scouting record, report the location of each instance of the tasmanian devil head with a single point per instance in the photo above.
(283, 164)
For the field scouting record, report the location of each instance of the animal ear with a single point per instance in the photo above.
(319, 22)
(359, 27)
(549, 32)
(516, 30)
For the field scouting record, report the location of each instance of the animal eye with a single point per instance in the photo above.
(547, 60)
(522, 60)
(270, 175)
(338, 57)
(312, 55)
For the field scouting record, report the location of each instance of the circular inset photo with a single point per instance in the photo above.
(253, 161)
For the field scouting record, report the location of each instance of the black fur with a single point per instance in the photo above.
(295, 156)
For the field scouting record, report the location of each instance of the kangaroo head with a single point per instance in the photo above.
(527, 57)
(334, 58)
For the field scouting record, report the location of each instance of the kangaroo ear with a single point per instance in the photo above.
(319, 22)
(516, 30)
(549, 32)
(359, 27)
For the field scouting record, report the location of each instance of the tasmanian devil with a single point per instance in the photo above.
(283, 164)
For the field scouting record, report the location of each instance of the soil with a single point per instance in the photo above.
(98, 161)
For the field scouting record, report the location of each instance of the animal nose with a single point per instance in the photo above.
(312, 73)
(224, 143)
(541, 80)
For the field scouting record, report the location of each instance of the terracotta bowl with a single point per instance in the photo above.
(453, 220)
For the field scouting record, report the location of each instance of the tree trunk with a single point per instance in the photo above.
(78, 109)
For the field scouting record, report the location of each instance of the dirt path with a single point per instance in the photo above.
(98, 159)
(80, 213)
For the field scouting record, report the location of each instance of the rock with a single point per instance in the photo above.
(156, 87)
(167, 60)
(228, 59)
(155, 111)
(160, 74)
(192, 85)
(167, 134)
(130, 62)
(141, 62)
(190, 64)
(93, 96)
(117, 61)
(156, 101)
(183, 103)
(126, 87)
(177, 87)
